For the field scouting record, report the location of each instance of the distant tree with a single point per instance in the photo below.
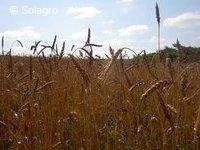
(190, 54)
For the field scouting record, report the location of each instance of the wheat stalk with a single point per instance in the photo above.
(82, 72)
(158, 21)
(154, 87)
(197, 126)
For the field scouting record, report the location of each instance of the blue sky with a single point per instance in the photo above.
(118, 23)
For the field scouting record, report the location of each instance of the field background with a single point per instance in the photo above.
(72, 103)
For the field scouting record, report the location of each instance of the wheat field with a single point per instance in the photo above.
(73, 103)
(87, 102)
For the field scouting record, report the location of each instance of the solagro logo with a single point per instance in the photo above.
(28, 10)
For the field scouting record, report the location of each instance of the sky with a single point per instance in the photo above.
(115, 23)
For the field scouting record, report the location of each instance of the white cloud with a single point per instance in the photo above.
(154, 39)
(82, 35)
(25, 33)
(125, 1)
(133, 30)
(108, 22)
(83, 12)
(64, 40)
(188, 19)
(126, 5)
(107, 32)
(117, 43)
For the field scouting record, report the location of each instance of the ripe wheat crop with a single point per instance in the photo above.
(87, 102)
